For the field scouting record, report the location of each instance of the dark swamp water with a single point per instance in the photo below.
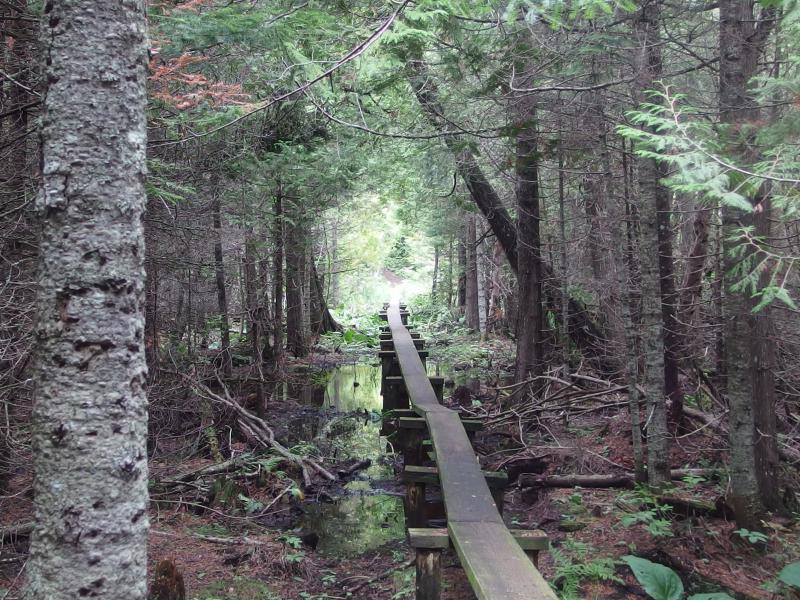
(368, 512)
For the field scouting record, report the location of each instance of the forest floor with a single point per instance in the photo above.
(263, 539)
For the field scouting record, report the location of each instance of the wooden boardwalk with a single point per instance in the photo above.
(493, 558)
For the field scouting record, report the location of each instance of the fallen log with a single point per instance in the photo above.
(613, 480)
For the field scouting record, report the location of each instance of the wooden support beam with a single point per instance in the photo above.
(419, 344)
(395, 394)
(419, 423)
(437, 383)
(530, 540)
(430, 476)
(412, 446)
(415, 505)
(429, 574)
(383, 336)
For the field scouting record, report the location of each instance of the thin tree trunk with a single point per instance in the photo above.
(434, 287)
(90, 409)
(562, 229)
(450, 257)
(471, 275)
(626, 280)
(277, 272)
(226, 361)
(652, 197)
(462, 268)
(254, 318)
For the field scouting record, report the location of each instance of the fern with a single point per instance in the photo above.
(573, 570)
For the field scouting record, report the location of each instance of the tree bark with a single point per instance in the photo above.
(278, 278)
(90, 410)
(653, 196)
(294, 243)
(254, 319)
(471, 308)
(530, 317)
(322, 320)
(222, 298)
(462, 268)
(435, 278)
(750, 384)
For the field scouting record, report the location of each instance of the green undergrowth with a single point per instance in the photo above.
(238, 588)
(574, 568)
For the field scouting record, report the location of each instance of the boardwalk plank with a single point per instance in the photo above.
(496, 566)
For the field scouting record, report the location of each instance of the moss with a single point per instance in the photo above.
(238, 588)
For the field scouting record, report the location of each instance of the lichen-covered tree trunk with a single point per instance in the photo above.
(90, 411)
(651, 190)
(750, 384)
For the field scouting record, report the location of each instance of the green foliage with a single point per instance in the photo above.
(559, 13)
(238, 588)
(250, 505)
(573, 568)
(656, 517)
(662, 583)
(706, 164)
(790, 575)
(752, 537)
(398, 259)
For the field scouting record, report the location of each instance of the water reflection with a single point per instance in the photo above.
(349, 425)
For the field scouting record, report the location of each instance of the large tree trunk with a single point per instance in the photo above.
(653, 197)
(90, 411)
(222, 298)
(322, 320)
(750, 383)
(529, 359)
(295, 246)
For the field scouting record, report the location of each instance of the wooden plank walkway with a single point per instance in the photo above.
(495, 563)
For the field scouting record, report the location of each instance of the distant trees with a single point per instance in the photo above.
(90, 409)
